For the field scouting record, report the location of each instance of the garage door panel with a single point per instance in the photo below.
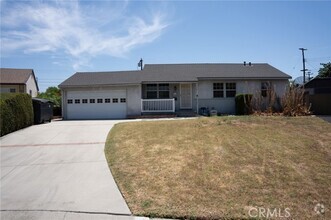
(97, 110)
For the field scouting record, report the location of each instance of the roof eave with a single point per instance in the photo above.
(12, 83)
(97, 85)
(243, 78)
(169, 81)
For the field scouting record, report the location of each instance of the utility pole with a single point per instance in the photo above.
(303, 64)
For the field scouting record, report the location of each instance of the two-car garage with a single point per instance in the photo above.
(99, 104)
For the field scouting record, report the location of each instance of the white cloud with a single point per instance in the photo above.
(80, 30)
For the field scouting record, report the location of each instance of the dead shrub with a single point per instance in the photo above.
(293, 102)
(268, 104)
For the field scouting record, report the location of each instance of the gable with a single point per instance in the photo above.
(12, 76)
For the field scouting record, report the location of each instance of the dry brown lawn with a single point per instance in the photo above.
(223, 167)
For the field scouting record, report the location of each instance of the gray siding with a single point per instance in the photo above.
(222, 105)
(133, 100)
(227, 105)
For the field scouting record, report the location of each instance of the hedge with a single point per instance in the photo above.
(243, 102)
(16, 112)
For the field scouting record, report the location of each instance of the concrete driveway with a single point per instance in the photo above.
(58, 167)
(325, 117)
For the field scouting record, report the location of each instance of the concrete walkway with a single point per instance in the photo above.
(59, 170)
(325, 117)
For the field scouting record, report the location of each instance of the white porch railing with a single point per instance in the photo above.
(158, 105)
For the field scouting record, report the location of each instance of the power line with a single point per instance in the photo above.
(312, 67)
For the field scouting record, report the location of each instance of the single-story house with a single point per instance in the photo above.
(18, 81)
(162, 88)
(318, 95)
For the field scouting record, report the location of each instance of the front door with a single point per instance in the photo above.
(186, 96)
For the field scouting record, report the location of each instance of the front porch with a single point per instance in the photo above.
(157, 105)
(169, 98)
(163, 108)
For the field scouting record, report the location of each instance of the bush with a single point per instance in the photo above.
(243, 104)
(293, 102)
(269, 103)
(16, 112)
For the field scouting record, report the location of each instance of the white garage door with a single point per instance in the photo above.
(96, 104)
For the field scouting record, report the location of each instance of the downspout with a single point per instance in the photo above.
(197, 96)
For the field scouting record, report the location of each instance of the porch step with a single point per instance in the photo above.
(154, 115)
(186, 114)
(151, 116)
(182, 114)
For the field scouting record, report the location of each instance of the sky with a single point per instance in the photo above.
(61, 37)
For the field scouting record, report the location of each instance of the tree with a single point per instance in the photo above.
(325, 71)
(52, 94)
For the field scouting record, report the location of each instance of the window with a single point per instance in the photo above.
(84, 101)
(107, 100)
(221, 90)
(92, 100)
(151, 91)
(77, 101)
(157, 91)
(265, 87)
(163, 91)
(99, 100)
(218, 90)
(12, 90)
(69, 101)
(115, 100)
(30, 92)
(123, 100)
(230, 89)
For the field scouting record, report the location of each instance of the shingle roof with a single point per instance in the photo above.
(102, 78)
(176, 73)
(193, 72)
(14, 76)
(319, 82)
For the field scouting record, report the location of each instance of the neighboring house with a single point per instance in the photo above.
(18, 81)
(162, 88)
(318, 95)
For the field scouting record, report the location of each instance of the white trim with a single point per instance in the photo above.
(190, 90)
(157, 105)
